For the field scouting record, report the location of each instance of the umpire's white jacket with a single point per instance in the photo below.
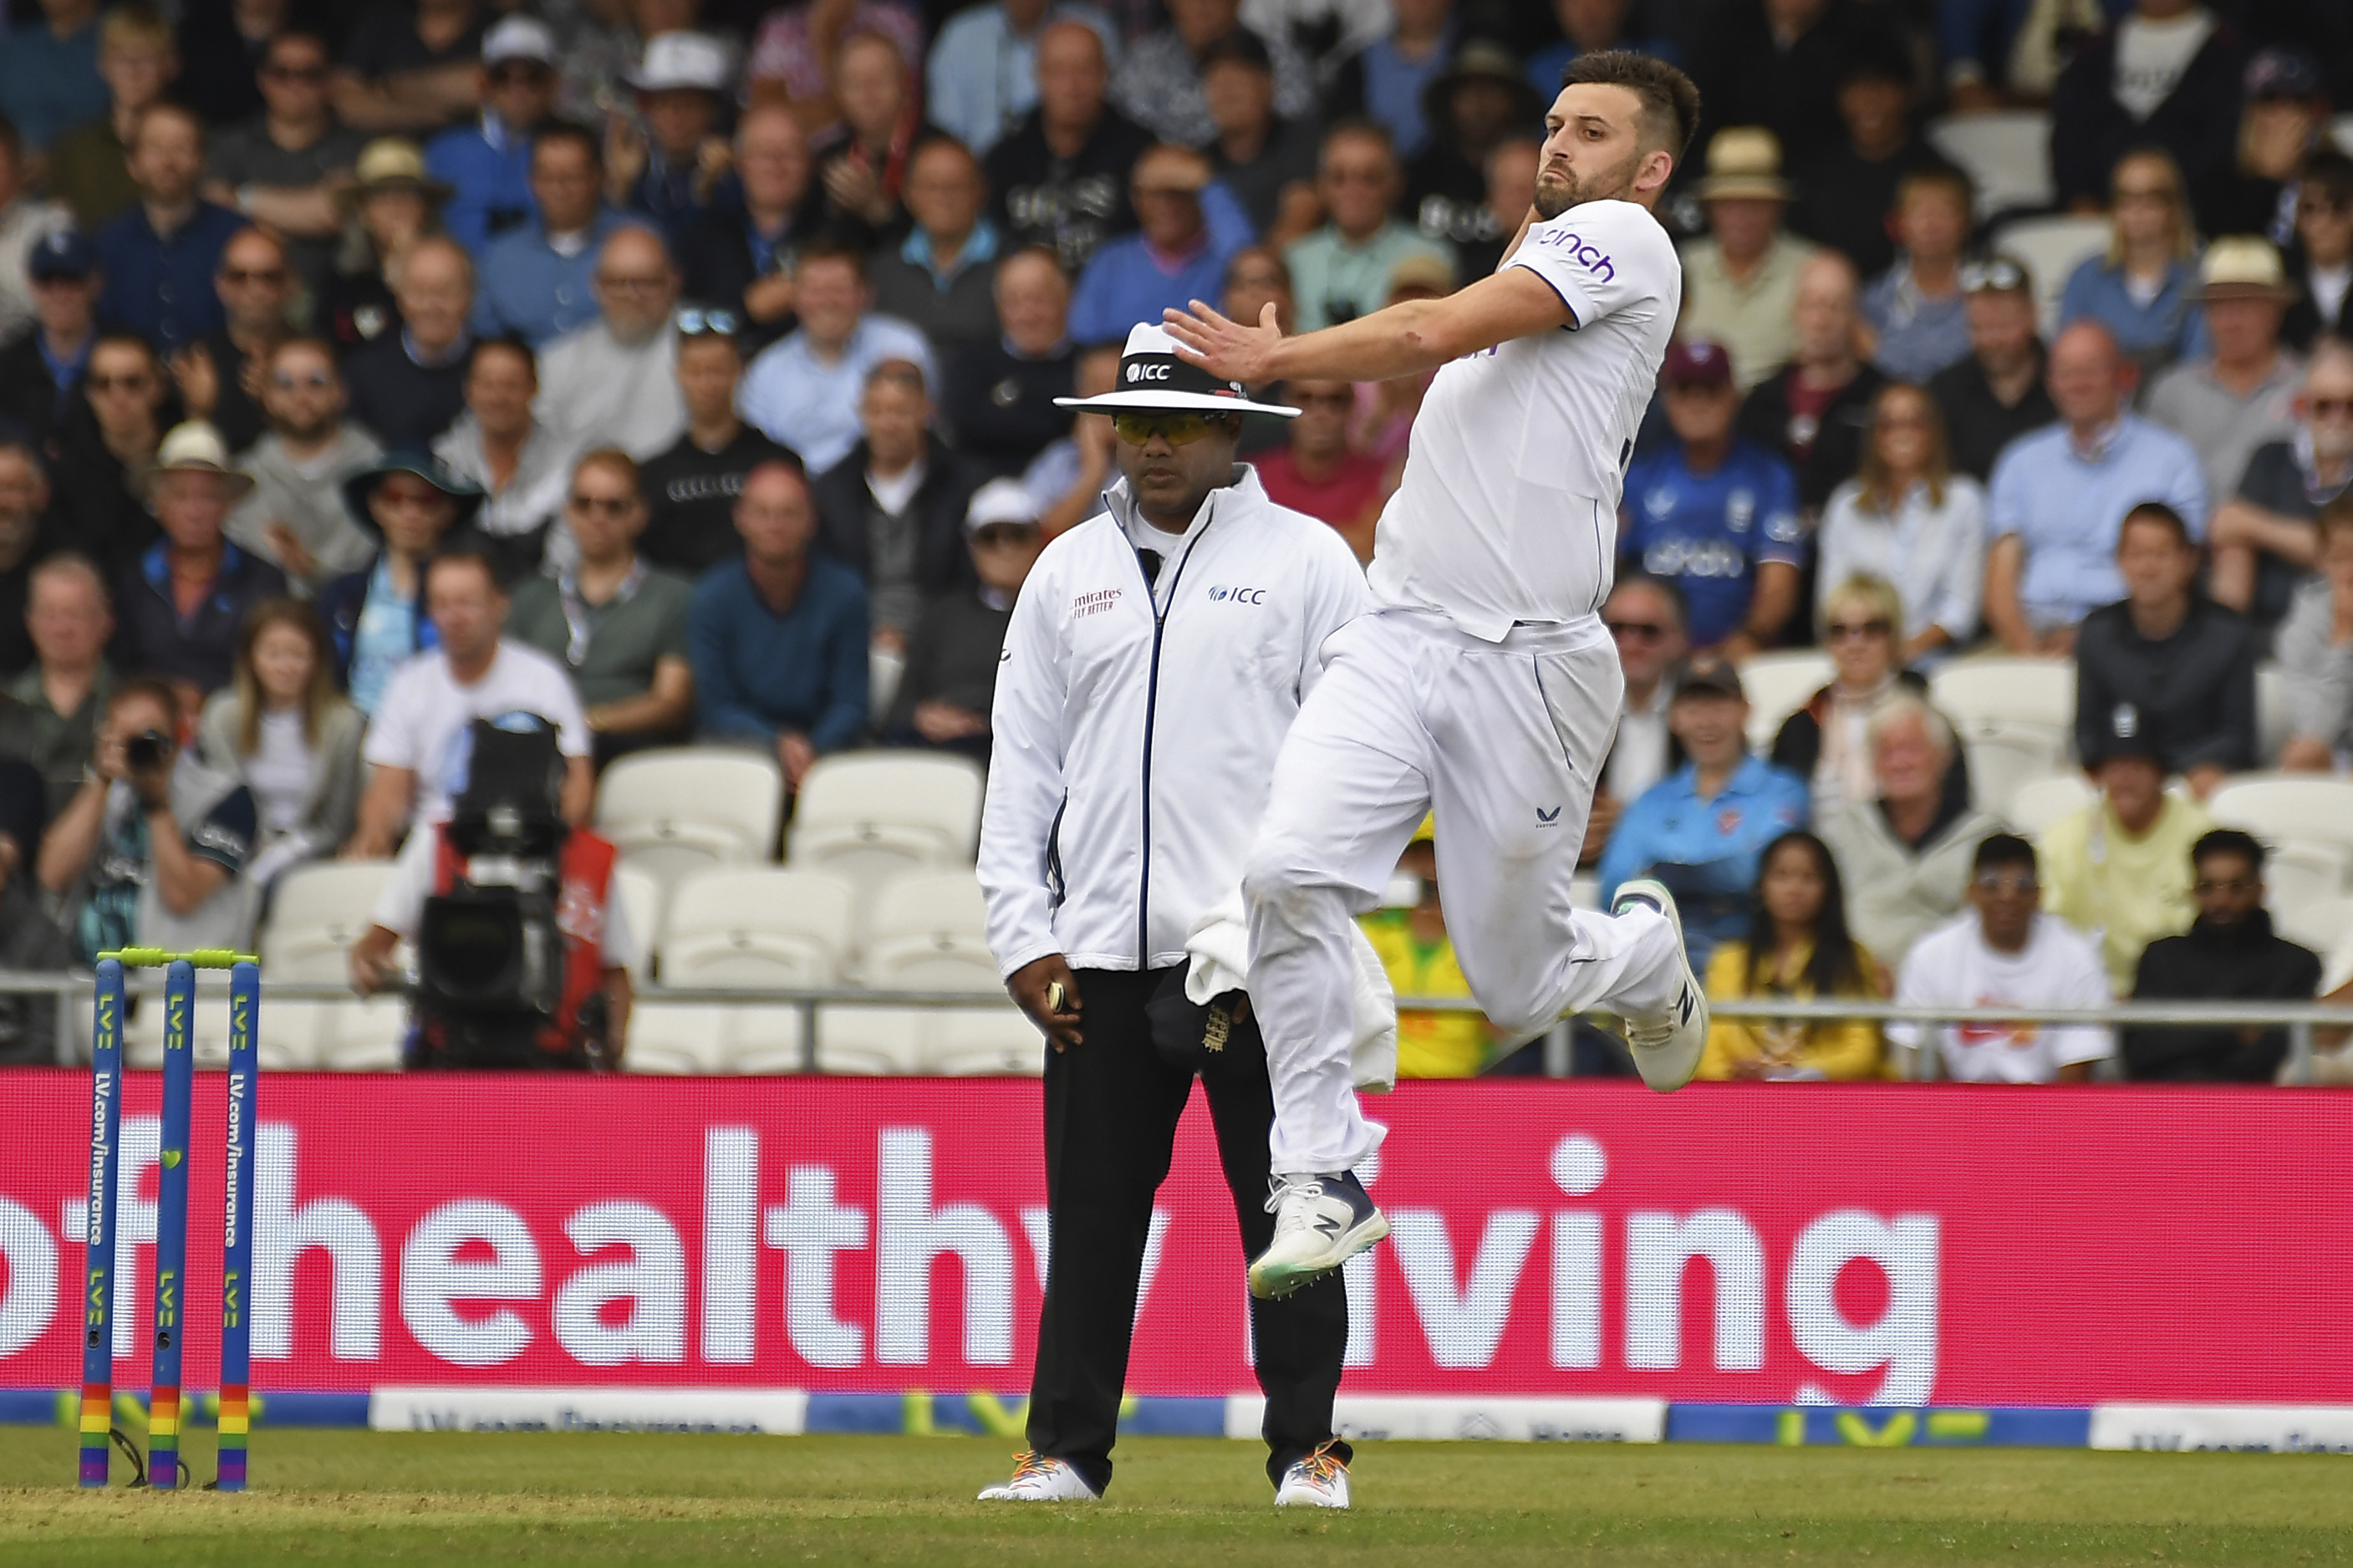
(1135, 727)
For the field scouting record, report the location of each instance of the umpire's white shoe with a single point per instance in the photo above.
(1320, 1480)
(1038, 1478)
(1320, 1222)
(1666, 1048)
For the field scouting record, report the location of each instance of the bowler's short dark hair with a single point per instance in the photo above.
(1669, 102)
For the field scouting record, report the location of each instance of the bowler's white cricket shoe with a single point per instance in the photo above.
(1667, 1048)
(1320, 1222)
(1320, 1480)
(1039, 1480)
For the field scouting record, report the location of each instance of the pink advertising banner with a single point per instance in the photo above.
(1770, 1244)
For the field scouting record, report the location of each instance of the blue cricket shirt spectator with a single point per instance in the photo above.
(1714, 512)
(1702, 827)
(50, 84)
(803, 392)
(161, 285)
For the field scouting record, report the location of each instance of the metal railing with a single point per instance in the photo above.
(2300, 1019)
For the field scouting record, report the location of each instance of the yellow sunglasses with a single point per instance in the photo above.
(1176, 430)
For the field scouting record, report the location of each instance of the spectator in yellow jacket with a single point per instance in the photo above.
(1797, 947)
(1419, 959)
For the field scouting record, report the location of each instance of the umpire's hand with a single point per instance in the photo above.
(1031, 986)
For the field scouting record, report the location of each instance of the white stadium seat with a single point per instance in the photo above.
(681, 810)
(873, 816)
(2306, 823)
(764, 925)
(316, 912)
(640, 894)
(888, 1042)
(2320, 924)
(929, 931)
(2051, 248)
(2042, 802)
(979, 1043)
(1778, 684)
(2271, 724)
(2014, 717)
(2006, 155)
(362, 1036)
(684, 1039)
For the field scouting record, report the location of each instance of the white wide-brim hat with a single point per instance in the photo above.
(1153, 378)
(195, 447)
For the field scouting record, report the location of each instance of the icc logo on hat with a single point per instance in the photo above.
(1144, 371)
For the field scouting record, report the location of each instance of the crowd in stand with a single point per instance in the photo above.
(686, 370)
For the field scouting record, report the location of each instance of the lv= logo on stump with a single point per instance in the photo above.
(166, 1406)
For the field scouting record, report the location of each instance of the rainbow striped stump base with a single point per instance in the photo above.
(164, 1439)
(97, 1421)
(229, 1477)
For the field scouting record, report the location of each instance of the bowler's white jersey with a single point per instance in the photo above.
(1508, 509)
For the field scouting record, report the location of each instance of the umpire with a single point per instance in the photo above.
(1157, 654)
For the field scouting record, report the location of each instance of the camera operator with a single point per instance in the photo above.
(523, 951)
(153, 846)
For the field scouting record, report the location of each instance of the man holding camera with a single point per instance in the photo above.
(151, 847)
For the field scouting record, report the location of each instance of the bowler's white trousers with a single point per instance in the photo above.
(1504, 742)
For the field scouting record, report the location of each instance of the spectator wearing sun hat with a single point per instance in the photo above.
(2241, 393)
(409, 501)
(1740, 282)
(191, 486)
(676, 171)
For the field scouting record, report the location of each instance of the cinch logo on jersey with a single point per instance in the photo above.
(1222, 594)
(1596, 263)
(1167, 373)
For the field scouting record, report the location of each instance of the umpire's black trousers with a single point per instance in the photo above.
(1111, 1106)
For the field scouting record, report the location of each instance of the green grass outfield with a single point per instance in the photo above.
(585, 1498)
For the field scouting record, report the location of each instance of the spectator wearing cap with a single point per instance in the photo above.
(1740, 281)
(1917, 311)
(394, 204)
(1267, 161)
(2060, 495)
(409, 383)
(1159, 83)
(180, 610)
(1481, 97)
(940, 279)
(2008, 950)
(2144, 288)
(892, 509)
(1701, 829)
(616, 623)
(89, 163)
(26, 220)
(2120, 869)
(1713, 513)
(40, 370)
(49, 710)
(1645, 616)
(1383, 80)
(2167, 656)
(2230, 953)
(614, 381)
(1318, 472)
(998, 395)
(500, 446)
(48, 73)
(982, 74)
(287, 167)
(2241, 393)
(220, 374)
(538, 279)
(160, 257)
(2321, 254)
(1059, 180)
(1346, 269)
(2284, 116)
(410, 68)
(2166, 75)
(949, 688)
(1904, 849)
(1815, 409)
(676, 169)
(1189, 230)
(691, 489)
(1906, 519)
(124, 405)
(803, 392)
(1847, 189)
(2315, 650)
(295, 518)
(487, 164)
(1996, 394)
(375, 617)
(2263, 536)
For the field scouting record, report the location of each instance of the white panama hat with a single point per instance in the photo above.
(1153, 378)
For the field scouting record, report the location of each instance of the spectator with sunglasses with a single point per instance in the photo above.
(614, 382)
(945, 695)
(221, 375)
(1827, 742)
(487, 164)
(1317, 473)
(1342, 271)
(1645, 618)
(287, 168)
(691, 489)
(2263, 538)
(2320, 257)
(617, 622)
(2230, 953)
(1996, 394)
(295, 516)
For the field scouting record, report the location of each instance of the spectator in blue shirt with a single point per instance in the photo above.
(983, 74)
(1715, 515)
(1190, 229)
(2060, 495)
(537, 282)
(675, 170)
(48, 74)
(1702, 829)
(777, 636)
(160, 257)
(2144, 290)
(487, 164)
(803, 393)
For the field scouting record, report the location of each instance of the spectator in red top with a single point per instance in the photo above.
(1317, 473)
